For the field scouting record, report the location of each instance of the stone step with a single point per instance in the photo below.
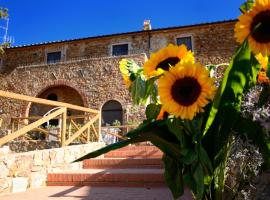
(122, 163)
(135, 152)
(108, 178)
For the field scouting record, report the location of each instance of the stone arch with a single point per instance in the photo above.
(112, 110)
(52, 84)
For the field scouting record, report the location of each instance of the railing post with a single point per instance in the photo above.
(69, 128)
(99, 128)
(64, 128)
(88, 132)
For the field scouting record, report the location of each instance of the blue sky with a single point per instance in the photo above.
(34, 21)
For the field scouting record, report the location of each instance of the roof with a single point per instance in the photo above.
(125, 33)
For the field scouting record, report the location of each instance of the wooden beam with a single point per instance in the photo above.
(79, 132)
(21, 97)
(64, 128)
(30, 127)
(41, 130)
(74, 124)
(96, 134)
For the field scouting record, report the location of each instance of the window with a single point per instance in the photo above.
(185, 40)
(54, 57)
(120, 49)
(112, 111)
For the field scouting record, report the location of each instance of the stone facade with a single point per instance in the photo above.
(19, 171)
(89, 73)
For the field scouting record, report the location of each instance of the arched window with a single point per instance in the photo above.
(112, 111)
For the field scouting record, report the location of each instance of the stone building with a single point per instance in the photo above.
(85, 71)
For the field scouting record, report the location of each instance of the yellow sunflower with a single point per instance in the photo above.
(166, 57)
(255, 24)
(125, 72)
(185, 89)
(263, 60)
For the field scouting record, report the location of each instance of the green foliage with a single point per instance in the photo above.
(196, 151)
(173, 176)
(246, 6)
(152, 111)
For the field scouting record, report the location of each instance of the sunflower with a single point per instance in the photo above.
(166, 57)
(263, 60)
(123, 65)
(255, 24)
(185, 89)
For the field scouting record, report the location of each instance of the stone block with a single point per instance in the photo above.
(37, 180)
(19, 184)
(38, 158)
(4, 171)
(5, 185)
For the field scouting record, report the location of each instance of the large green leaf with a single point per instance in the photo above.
(152, 111)
(111, 147)
(138, 90)
(239, 77)
(198, 176)
(173, 176)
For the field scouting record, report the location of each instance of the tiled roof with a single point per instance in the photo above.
(125, 33)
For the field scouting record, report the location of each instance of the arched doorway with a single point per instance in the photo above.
(112, 111)
(60, 93)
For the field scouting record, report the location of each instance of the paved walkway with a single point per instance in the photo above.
(93, 193)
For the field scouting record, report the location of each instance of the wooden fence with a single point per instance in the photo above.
(67, 135)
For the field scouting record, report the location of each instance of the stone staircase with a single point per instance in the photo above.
(131, 166)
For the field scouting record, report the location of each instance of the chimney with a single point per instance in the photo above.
(146, 25)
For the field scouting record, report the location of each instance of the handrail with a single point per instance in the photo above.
(21, 97)
(29, 127)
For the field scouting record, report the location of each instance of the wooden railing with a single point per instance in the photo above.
(66, 137)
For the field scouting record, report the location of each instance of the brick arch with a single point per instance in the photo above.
(112, 99)
(52, 84)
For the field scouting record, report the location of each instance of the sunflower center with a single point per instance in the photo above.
(262, 32)
(186, 91)
(165, 64)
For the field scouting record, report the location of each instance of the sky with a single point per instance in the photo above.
(35, 21)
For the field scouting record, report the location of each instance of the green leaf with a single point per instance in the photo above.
(110, 147)
(138, 90)
(204, 158)
(151, 89)
(245, 7)
(152, 111)
(190, 157)
(175, 126)
(239, 77)
(198, 176)
(173, 176)
(158, 134)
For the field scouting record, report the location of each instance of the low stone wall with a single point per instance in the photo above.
(32, 145)
(19, 171)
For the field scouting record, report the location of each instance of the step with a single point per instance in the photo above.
(123, 163)
(108, 178)
(135, 152)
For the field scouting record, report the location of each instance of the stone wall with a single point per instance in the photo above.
(19, 171)
(98, 80)
(95, 80)
(212, 43)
